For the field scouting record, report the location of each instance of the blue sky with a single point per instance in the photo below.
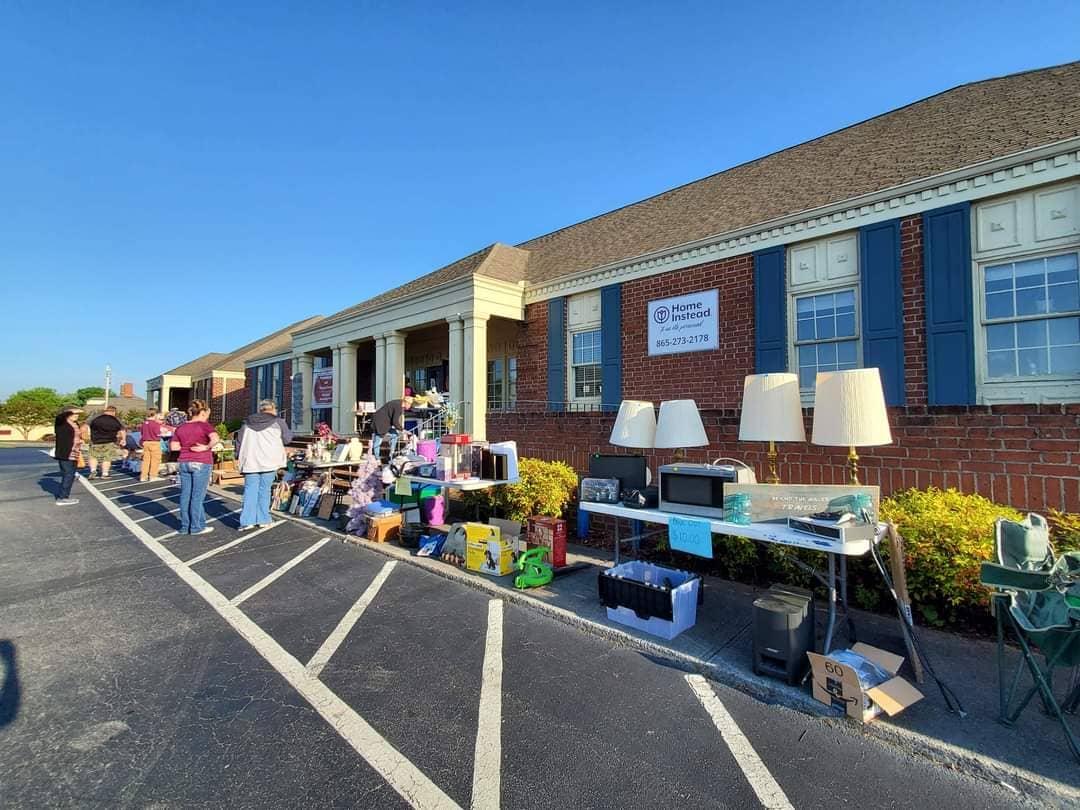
(178, 178)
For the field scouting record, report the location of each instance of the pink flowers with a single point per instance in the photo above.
(325, 432)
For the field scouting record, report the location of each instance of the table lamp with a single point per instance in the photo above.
(635, 426)
(771, 412)
(679, 426)
(849, 411)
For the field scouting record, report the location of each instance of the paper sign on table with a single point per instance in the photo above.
(403, 486)
(690, 536)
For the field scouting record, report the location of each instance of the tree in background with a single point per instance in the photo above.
(90, 392)
(31, 408)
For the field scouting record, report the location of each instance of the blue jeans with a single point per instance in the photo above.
(376, 443)
(194, 479)
(67, 478)
(256, 510)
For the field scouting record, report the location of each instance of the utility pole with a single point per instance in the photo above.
(108, 383)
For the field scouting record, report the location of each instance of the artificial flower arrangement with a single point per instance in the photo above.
(326, 434)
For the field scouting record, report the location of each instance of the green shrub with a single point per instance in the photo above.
(132, 418)
(1064, 530)
(947, 534)
(233, 425)
(222, 430)
(545, 488)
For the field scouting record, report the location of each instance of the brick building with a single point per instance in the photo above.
(938, 242)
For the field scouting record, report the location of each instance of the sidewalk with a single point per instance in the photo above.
(1032, 756)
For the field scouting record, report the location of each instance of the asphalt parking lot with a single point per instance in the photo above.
(285, 668)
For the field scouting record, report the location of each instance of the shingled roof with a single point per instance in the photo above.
(960, 127)
(497, 261)
(199, 365)
(276, 343)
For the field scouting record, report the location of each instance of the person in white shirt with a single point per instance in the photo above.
(260, 453)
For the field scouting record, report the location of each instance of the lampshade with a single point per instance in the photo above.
(680, 425)
(771, 409)
(849, 409)
(635, 426)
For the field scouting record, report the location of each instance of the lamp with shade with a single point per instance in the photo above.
(771, 412)
(679, 427)
(635, 426)
(849, 411)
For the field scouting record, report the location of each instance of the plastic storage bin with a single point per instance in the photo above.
(659, 601)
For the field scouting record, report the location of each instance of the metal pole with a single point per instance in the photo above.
(108, 383)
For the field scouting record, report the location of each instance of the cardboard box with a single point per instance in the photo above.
(510, 531)
(492, 556)
(549, 533)
(384, 528)
(837, 683)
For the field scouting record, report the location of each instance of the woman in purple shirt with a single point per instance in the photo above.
(194, 439)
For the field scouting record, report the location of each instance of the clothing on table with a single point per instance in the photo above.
(190, 434)
(260, 443)
(105, 429)
(150, 431)
(67, 478)
(390, 415)
(257, 489)
(151, 460)
(194, 481)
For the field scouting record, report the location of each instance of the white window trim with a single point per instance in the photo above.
(570, 397)
(1052, 388)
(507, 403)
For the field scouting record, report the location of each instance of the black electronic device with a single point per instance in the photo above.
(644, 498)
(783, 632)
(630, 470)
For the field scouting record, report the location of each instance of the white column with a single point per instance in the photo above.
(347, 388)
(456, 383)
(380, 371)
(475, 369)
(336, 390)
(394, 381)
(301, 417)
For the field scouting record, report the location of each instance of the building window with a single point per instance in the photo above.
(502, 383)
(585, 364)
(1031, 318)
(826, 335)
(279, 386)
(823, 307)
(511, 381)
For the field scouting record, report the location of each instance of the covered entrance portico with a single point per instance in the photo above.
(439, 332)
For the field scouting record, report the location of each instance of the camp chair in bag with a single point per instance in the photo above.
(1039, 598)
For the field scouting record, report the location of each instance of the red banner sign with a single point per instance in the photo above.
(322, 389)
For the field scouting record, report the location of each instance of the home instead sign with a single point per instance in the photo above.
(687, 323)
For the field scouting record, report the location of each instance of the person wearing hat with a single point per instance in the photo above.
(68, 447)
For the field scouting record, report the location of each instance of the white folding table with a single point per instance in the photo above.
(765, 532)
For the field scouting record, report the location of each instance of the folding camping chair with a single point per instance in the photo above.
(1038, 597)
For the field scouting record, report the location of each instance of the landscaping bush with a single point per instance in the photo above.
(233, 425)
(947, 534)
(132, 418)
(1064, 531)
(545, 488)
(222, 431)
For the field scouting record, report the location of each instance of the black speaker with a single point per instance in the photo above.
(630, 470)
(783, 632)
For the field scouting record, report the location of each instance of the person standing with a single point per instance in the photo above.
(106, 441)
(260, 453)
(68, 447)
(195, 440)
(388, 421)
(150, 435)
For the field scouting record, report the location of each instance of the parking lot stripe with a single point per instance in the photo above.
(144, 503)
(158, 515)
(269, 578)
(769, 793)
(333, 641)
(230, 544)
(487, 760)
(171, 535)
(142, 491)
(405, 778)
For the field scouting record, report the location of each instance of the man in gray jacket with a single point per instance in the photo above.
(260, 453)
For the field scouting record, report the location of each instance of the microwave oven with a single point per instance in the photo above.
(698, 489)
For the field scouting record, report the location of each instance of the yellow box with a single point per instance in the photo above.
(489, 554)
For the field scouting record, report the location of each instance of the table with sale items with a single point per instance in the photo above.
(763, 532)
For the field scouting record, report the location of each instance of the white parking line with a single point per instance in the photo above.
(171, 535)
(158, 515)
(769, 793)
(333, 641)
(269, 578)
(144, 491)
(404, 777)
(230, 544)
(144, 503)
(487, 759)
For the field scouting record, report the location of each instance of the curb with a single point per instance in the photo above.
(1026, 784)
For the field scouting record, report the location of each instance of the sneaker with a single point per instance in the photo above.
(205, 530)
(66, 501)
(249, 527)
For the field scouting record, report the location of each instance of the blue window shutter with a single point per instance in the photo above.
(556, 350)
(770, 311)
(611, 346)
(254, 389)
(883, 306)
(950, 328)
